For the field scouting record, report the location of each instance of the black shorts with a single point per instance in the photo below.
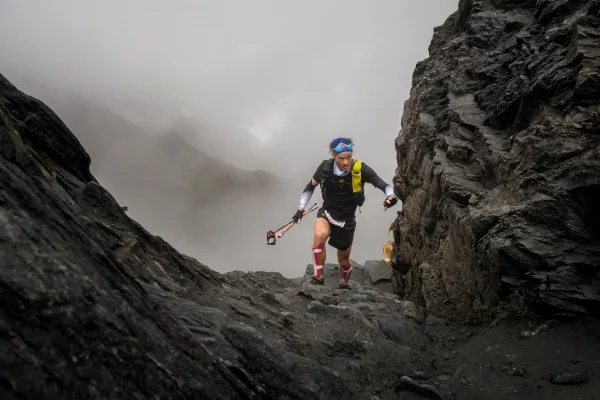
(341, 237)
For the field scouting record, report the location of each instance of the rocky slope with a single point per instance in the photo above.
(94, 306)
(499, 161)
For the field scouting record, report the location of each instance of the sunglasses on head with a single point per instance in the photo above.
(336, 142)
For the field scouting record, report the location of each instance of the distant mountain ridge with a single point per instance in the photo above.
(226, 143)
(167, 182)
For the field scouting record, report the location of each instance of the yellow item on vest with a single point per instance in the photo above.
(356, 176)
(357, 184)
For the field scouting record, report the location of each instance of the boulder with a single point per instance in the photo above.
(378, 270)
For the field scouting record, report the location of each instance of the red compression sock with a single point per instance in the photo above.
(346, 273)
(318, 267)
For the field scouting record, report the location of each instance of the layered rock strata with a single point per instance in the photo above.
(499, 160)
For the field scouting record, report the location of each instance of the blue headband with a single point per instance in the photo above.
(341, 145)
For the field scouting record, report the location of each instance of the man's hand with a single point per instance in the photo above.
(298, 216)
(390, 201)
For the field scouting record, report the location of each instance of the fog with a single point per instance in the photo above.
(288, 75)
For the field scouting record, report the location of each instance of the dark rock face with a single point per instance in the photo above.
(499, 160)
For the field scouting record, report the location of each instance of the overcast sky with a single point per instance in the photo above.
(266, 64)
(294, 73)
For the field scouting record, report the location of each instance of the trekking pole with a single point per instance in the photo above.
(271, 238)
(289, 226)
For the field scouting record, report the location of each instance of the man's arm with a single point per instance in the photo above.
(308, 192)
(371, 177)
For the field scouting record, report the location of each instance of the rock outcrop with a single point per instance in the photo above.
(499, 160)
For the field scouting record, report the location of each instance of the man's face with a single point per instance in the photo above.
(344, 160)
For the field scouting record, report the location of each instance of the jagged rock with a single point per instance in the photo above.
(377, 270)
(314, 292)
(499, 160)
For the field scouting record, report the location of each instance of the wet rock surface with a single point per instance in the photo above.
(499, 161)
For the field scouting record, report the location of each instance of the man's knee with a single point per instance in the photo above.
(320, 238)
(344, 257)
(344, 260)
(321, 232)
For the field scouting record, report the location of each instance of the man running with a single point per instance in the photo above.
(342, 180)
